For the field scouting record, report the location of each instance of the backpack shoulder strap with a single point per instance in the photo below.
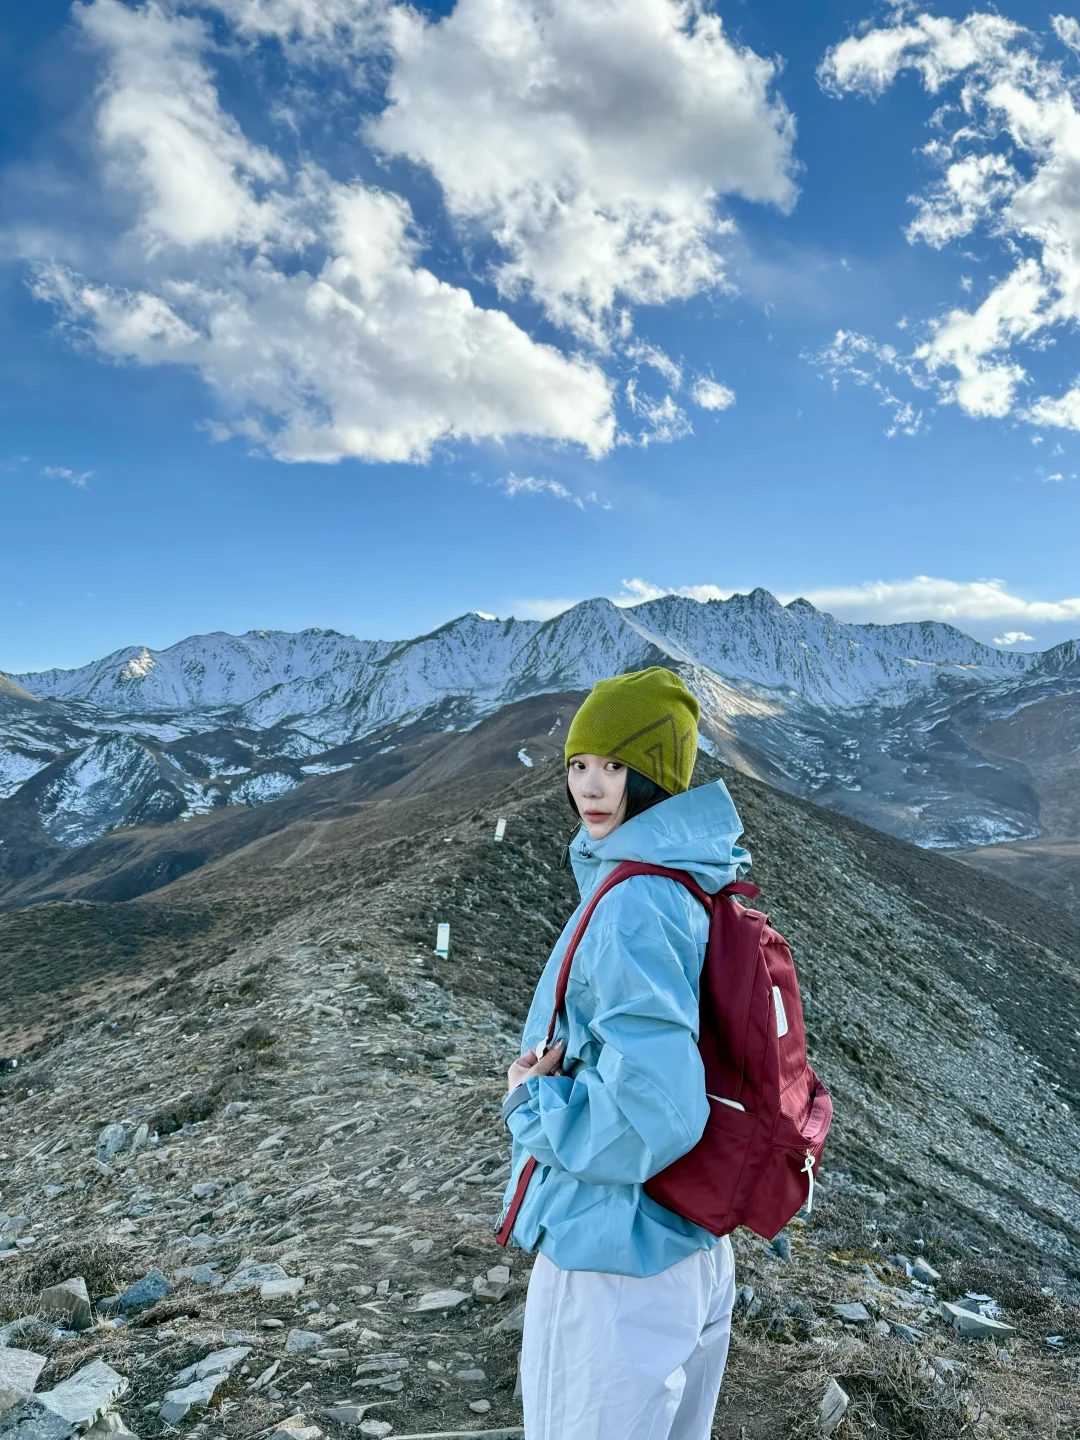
(621, 872)
(738, 931)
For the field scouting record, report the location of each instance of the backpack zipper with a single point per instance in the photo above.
(733, 1103)
(808, 1171)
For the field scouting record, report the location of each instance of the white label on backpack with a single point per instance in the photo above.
(781, 1013)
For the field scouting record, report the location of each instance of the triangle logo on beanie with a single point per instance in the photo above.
(658, 751)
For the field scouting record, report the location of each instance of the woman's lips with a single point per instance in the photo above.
(596, 814)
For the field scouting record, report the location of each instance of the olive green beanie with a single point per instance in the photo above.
(647, 720)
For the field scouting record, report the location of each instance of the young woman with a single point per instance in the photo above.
(629, 1304)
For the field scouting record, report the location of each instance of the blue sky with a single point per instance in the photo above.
(336, 313)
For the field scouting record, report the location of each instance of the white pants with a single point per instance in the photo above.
(611, 1357)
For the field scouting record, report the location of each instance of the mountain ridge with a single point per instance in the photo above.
(133, 664)
(882, 722)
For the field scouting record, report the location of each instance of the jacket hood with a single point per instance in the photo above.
(696, 831)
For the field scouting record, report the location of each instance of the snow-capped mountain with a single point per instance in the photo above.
(873, 719)
(750, 640)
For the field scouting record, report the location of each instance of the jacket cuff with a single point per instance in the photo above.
(518, 1096)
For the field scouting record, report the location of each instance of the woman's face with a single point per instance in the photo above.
(598, 787)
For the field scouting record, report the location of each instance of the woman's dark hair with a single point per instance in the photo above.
(641, 794)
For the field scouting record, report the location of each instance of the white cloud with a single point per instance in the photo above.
(299, 299)
(645, 354)
(664, 420)
(711, 395)
(1067, 30)
(636, 591)
(1012, 637)
(1007, 147)
(923, 597)
(862, 360)
(593, 141)
(937, 47)
(319, 24)
(166, 138)
(78, 478)
(532, 485)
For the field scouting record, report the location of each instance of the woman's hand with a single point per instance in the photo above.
(528, 1065)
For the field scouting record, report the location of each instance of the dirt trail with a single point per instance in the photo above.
(310, 842)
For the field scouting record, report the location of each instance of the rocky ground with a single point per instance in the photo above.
(287, 1118)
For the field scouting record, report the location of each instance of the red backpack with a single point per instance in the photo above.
(768, 1112)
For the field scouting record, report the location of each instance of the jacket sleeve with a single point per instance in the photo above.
(643, 1104)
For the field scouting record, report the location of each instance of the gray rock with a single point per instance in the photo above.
(303, 1340)
(833, 1408)
(468, 1376)
(781, 1247)
(179, 1403)
(970, 1325)
(110, 1142)
(494, 1286)
(219, 1362)
(32, 1421)
(346, 1414)
(375, 1429)
(854, 1311)
(744, 1297)
(200, 1274)
(294, 1430)
(514, 1323)
(922, 1270)
(440, 1300)
(19, 1371)
(286, 1289)
(250, 1276)
(111, 1425)
(139, 1139)
(68, 1304)
(147, 1291)
(487, 1292)
(908, 1333)
(85, 1395)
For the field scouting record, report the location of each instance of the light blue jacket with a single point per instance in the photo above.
(633, 1099)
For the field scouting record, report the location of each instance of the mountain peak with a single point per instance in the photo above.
(10, 691)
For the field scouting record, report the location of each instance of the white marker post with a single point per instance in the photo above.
(500, 830)
(442, 941)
